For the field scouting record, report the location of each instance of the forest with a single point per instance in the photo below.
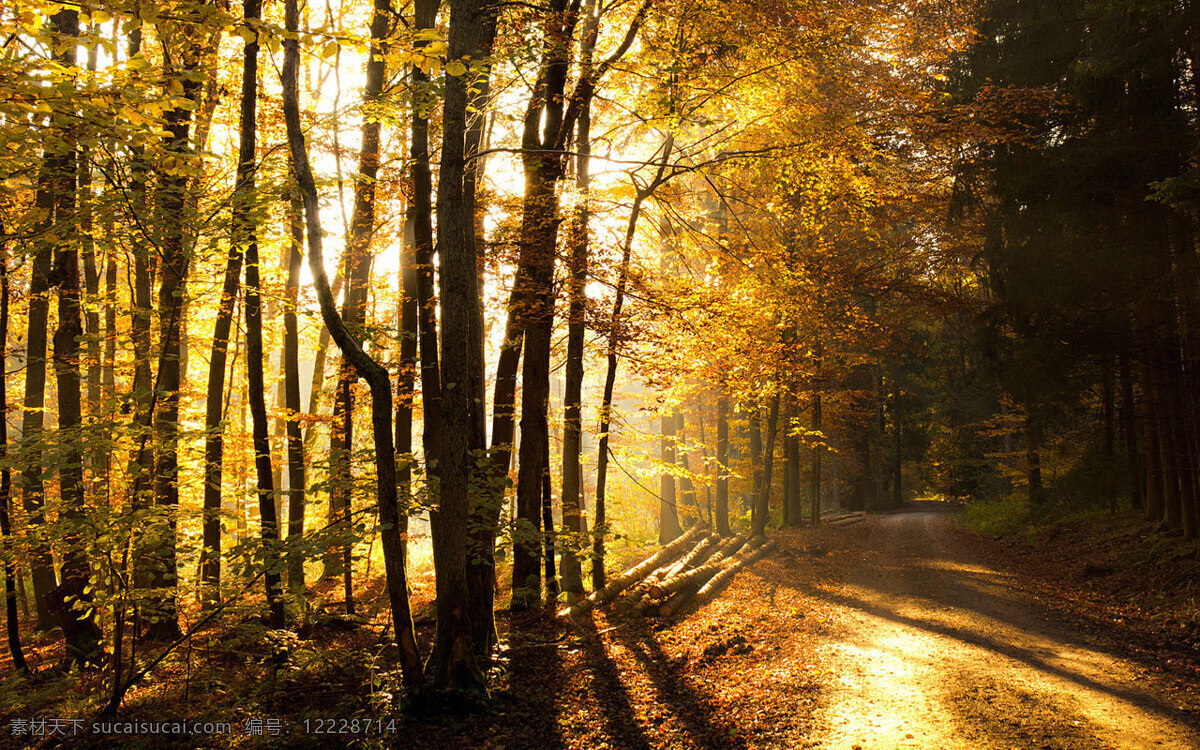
(600, 373)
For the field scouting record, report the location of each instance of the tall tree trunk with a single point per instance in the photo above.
(1155, 500)
(600, 528)
(1108, 399)
(33, 415)
(543, 167)
(453, 662)
(722, 511)
(245, 234)
(572, 473)
(214, 416)
(756, 458)
(72, 598)
(814, 512)
(548, 539)
(1033, 458)
(185, 51)
(406, 374)
(463, 226)
(668, 507)
(371, 371)
(357, 265)
(1129, 430)
(762, 510)
(291, 390)
(13, 629)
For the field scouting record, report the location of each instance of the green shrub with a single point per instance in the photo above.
(999, 517)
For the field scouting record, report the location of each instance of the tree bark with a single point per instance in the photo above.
(542, 162)
(291, 389)
(376, 376)
(13, 629)
(572, 473)
(245, 234)
(722, 511)
(456, 549)
(1129, 429)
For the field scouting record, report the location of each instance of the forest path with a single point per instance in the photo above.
(926, 645)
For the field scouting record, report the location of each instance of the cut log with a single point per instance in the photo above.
(708, 590)
(698, 553)
(682, 587)
(636, 573)
(849, 519)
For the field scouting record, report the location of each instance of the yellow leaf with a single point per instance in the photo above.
(248, 35)
(455, 68)
(329, 50)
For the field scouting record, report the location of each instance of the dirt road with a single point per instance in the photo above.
(928, 646)
(893, 633)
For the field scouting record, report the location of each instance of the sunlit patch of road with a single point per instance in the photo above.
(931, 648)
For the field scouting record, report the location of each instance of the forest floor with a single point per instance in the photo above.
(905, 631)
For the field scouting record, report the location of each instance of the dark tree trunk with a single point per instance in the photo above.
(1108, 397)
(1129, 430)
(245, 235)
(6, 534)
(214, 439)
(1155, 501)
(357, 264)
(542, 136)
(572, 474)
(41, 560)
(1033, 458)
(756, 459)
(814, 512)
(722, 511)
(473, 32)
(291, 389)
(186, 50)
(371, 371)
(72, 598)
(453, 662)
(762, 509)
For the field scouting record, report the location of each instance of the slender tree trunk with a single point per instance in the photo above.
(185, 50)
(572, 473)
(245, 234)
(897, 445)
(1129, 430)
(756, 459)
(762, 509)
(6, 533)
(72, 598)
(600, 528)
(406, 375)
(460, 236)
(453, 662)
(1033, 458)
(722, 511)
(214, 438)
(1155, 501)
(357, 265)
(1108, 398)
(291, 390)
(33, 415)
(548, 539)
(814, 511)
(543, 167)
(668, 508)
(376, 376)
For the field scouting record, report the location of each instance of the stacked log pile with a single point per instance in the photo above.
(662, 583)
(843, 519)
